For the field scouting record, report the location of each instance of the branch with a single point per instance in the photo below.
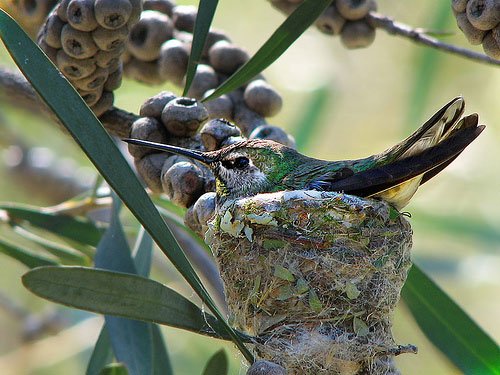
(17, 91)
(418, 36)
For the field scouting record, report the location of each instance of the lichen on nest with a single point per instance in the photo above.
(315, 277)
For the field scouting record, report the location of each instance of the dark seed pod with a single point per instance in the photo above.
(35, 12)
(473, 35)
(357, 34)
(103, 104)
(91, 97)
(53, 27)
(126, 57)
(226, 57)
(330, 21)
(231, 141)
(204, 79)
(146, 128)
(135, 15)
(149, 168)
(353, 9)
(162, 6)
(182, 183)
(221, 107)
(273, 133)
(496, 34)
(142, 71)
(483, 14)
(112, 14)
(174, 159)
(147, 36)
(183, 36)
(109, 40)
(182, 117)
(109, 59)
(262, 98)
(200, 213)
(62, 9)
(172, 64)
(49, 51)
(459, 5)
(491, 47)
(114, 80)
(214, 132)
(76, 43)
(213, 37)
(184, 17)
(244, 118)
(80, 15)
(75, 68)
(263, 367)
(285, 6)
(153, 106)
(93, 81)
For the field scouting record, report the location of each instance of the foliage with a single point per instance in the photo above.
(120, 287)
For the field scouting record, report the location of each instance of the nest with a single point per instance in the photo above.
(315, 277)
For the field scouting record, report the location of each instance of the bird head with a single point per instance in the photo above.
(241, 169)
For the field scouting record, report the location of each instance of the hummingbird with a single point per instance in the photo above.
(263, 166)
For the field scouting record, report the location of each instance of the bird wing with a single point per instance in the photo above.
(438, 127)
(387, 181)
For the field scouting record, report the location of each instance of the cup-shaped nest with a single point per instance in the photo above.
(315, 276)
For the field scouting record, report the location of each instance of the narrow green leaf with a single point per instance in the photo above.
(283, 273)
(131, 340)
(81, 123)
(161, 360)
(172, 219)
(206, 12)
(119, 294)
(76, 229)
(114, 369)
(308, 123)
(217, 364)
(101, 355)
(23, 255)
(132, 344)
(143, 252)
(159, 200)
(113, 252)
(66, 254)
(275, 46)
(449, 327)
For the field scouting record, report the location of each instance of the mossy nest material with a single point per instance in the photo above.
(315, 276)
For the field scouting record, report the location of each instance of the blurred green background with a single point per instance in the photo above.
(372, 98)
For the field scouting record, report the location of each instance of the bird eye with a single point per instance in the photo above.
(241, 162)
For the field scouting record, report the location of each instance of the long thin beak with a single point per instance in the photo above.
(193, 154)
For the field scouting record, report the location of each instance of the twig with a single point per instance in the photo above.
(419, 36)
(12, 307)
(16, 90)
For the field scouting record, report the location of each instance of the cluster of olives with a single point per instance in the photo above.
(347, 18)
(479, 20)
(85, 39)
(158, 51)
